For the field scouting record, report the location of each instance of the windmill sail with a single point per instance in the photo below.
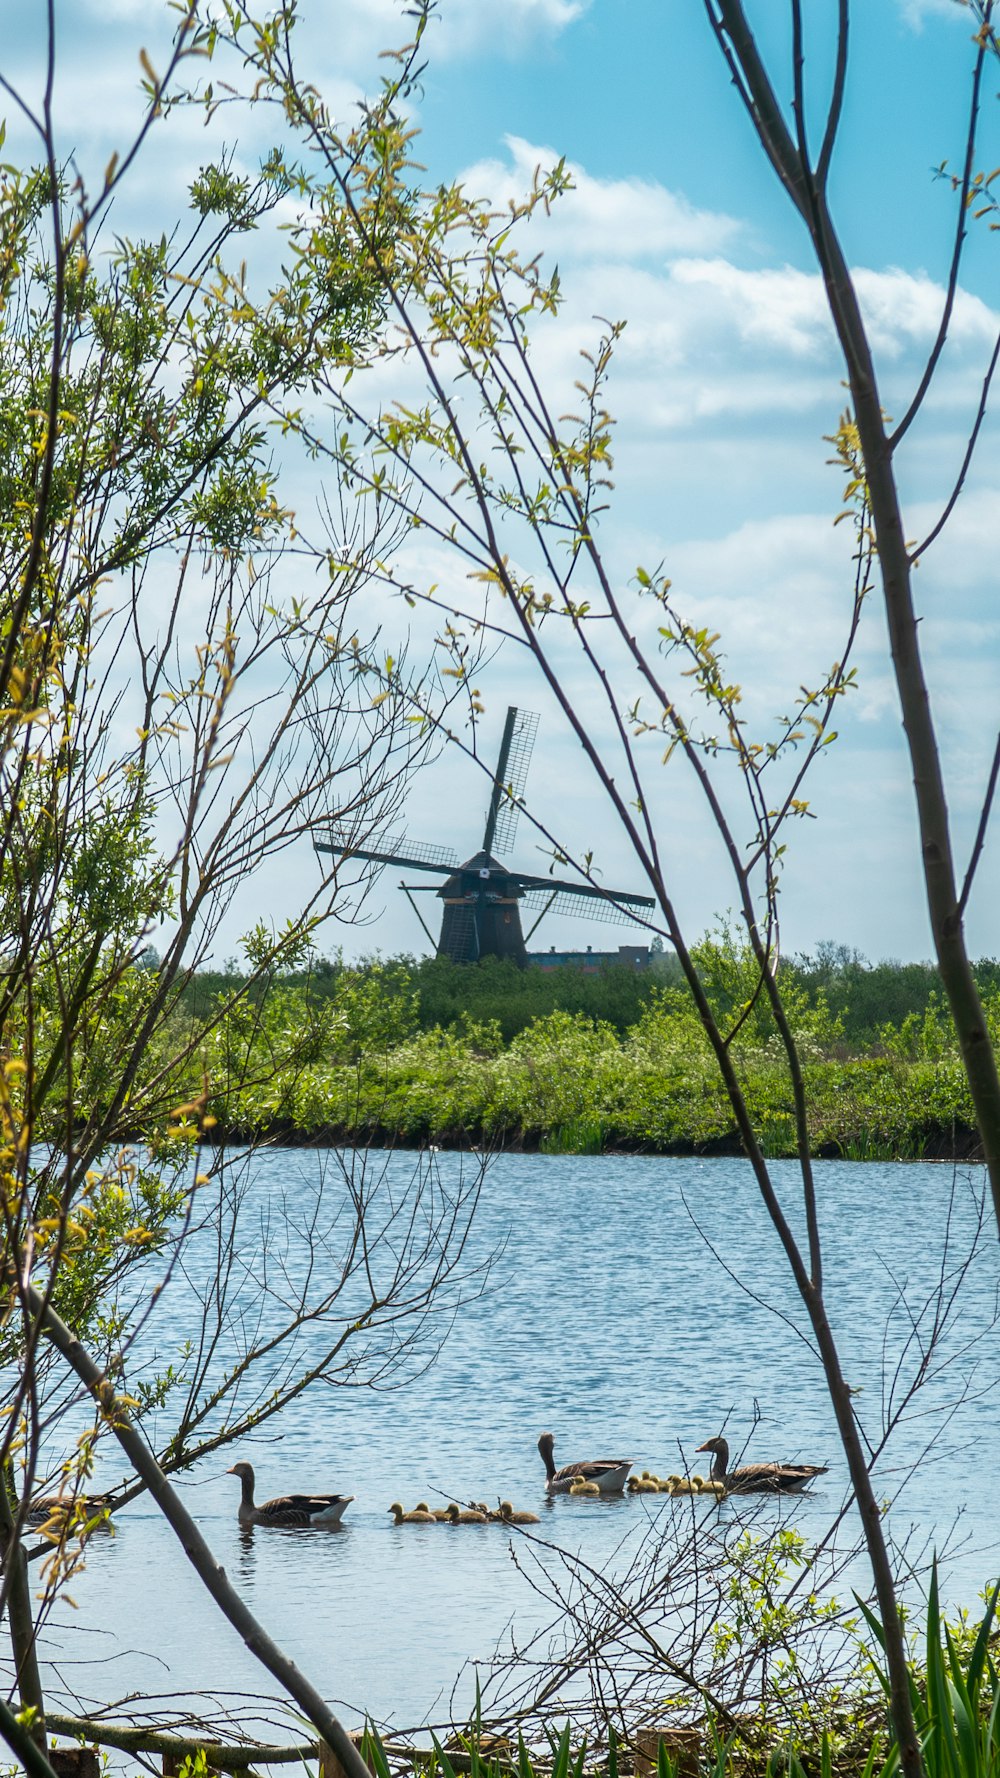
(510, 778)
(395, 849)
(609, 908)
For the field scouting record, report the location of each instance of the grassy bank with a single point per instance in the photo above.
(571, 1092)
(352, 1054)
(409, 1053)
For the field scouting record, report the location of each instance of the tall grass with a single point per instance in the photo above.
(956, 1698)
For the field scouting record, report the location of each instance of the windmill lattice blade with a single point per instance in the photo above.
(394, 849)
(563, 901)
(515, 778)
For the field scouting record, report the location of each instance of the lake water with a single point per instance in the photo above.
(608, 1317)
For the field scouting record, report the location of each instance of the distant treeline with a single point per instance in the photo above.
(431, 993)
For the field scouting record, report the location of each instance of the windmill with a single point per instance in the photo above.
(483, 897)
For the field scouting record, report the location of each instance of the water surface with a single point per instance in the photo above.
(635, 1304)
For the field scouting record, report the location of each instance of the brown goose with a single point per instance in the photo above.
(610, 1473)
(59, 1509)
(294, 1510)
(759, 1478)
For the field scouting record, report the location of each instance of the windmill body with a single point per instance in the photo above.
(483, 897)
(481, 916)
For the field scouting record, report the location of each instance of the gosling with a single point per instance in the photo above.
(510, 1517)
(437, 1513)
(414, 1518)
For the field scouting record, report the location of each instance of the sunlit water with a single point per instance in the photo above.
(614, 1320)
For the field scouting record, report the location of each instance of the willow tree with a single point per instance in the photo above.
(869, 445)
(178, 706)
(486, 465)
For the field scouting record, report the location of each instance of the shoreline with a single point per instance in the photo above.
(958, 1144)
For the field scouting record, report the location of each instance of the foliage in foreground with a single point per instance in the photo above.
(840, 1732)
(956, 1695)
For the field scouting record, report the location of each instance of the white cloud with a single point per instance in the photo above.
(784, 307)
(346, 34)
(916, 12)
(905, 307)
(117, 10)
(708, 340)
(470, 25)
(606, 219)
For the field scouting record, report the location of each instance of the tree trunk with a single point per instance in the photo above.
(22, 1623)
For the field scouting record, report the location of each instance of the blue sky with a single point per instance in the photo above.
(726, 383)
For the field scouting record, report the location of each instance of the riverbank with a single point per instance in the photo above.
(353, 1057)
(587, 1097)
(957, 1144)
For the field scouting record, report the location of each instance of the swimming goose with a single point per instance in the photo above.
(59, 1509)
(581, 1486)
(608, 1472)
(288, 1510)
(759, 1478)
(458, 1517)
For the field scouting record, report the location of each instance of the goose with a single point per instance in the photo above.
(608, 1472)
(288, 1510)
(415, 1518)
(510, 1517)
(458, 1517)
(580, 1486)
(759, 1478)
(57, 1510)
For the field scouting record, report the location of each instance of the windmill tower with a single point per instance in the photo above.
(483, 897)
